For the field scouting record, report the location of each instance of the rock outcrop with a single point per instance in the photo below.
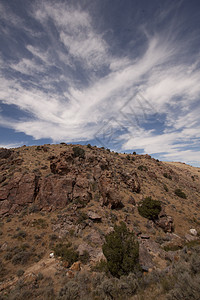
(165, 222)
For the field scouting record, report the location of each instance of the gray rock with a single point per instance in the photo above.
(94, 216)
(145, 236)
(4, 246)
(145, 258)
(193, 232)
(190, 237)
(95, 238)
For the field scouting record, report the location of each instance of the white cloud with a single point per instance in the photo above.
(11, 145)
(170, 87)
(76, 32)
(27, 66)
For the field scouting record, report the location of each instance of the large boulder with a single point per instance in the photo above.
(110, 194)
(94, 216)
(165, 221)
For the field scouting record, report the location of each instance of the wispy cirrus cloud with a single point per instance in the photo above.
(69, 84)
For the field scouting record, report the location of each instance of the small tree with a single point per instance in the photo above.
(180, 193)
(78, 152)
(121, 251)
(150, 208)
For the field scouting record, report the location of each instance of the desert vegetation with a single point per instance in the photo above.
(149, 208)
(82, 222)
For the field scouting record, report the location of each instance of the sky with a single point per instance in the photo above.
(123, 75)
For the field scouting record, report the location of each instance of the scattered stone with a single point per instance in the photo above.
(193, 232)
(4, 246)
(51, 255)
(94, 216)
(190, 237)
(145, 236)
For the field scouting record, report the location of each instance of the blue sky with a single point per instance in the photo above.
(120, 74)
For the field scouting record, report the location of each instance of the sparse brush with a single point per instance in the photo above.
(180, 193)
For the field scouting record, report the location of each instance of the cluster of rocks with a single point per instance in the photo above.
(72, 179)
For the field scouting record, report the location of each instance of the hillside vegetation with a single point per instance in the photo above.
(81, 222)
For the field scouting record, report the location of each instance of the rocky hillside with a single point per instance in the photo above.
(51, 194)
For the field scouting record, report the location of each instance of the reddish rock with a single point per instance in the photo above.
(81, 190)
(109, 192)
(165, 222)
(63, 164)
(19, 191)
(55, 191)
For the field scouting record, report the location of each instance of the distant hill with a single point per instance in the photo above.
(51, 195)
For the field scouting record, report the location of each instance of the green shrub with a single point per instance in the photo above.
(166, 188)
(20, 235)
(89, 146)
(20, 272)
(53, 237)
(172, 247)
(40, 276)
(114, 288)
(142, 168)
(101, 266)
(82, 216)
(66, 252)
(33, 209)
(2, 269)
(70, 291)
(180, 193)
(84, 258)
(78, 152)
(168, 176)
(121, 251)
(150, 208)
(40, 223)
(21, 258)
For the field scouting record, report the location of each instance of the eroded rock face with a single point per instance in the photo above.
(55, 191)
(72, 179)
(19, 191)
